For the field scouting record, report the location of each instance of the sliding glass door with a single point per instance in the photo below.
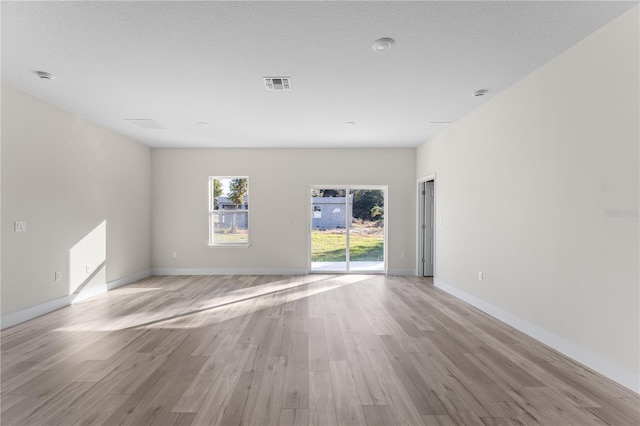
(348, 229)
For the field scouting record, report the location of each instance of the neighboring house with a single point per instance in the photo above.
(225, 203)
(225, 219)
(329, 212)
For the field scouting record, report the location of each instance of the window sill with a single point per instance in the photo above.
(229, 245)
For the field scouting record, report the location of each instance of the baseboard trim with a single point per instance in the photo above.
(26, 314)
(401, 272)
(574, 351)
(230, 271)
(22, 315)
(128, 279)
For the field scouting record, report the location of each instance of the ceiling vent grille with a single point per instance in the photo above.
(277, 83)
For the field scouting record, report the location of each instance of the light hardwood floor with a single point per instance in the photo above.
(279, 350)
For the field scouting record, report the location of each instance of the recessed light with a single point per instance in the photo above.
(479, 93)
(202, 123)
(43, 75)
(383, 44)
(349, 123)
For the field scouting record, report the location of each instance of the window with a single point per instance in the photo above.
(228, 210)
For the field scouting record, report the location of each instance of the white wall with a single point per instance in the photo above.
(84, 193)
(526, 187)
(279, 182)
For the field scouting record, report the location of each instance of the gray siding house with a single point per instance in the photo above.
(329, 212)
(225, 219)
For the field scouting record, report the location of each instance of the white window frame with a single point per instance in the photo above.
(212, 242)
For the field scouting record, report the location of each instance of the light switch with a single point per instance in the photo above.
(20, 226)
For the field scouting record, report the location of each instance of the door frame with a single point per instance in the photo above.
(348, 188)
(419, 271)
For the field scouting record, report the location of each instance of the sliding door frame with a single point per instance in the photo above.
(348, 190)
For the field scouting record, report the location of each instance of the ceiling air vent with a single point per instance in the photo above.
(277, 83)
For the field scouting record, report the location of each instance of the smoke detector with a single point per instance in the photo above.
(383, 44)
(277, 83)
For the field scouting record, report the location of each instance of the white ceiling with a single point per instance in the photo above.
(181, 63)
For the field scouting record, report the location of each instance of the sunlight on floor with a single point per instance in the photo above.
(194, 313)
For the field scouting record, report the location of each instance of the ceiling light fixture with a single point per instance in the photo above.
(383, 44)
(350, 123)
(479, 93)
(43, 75)
(202, 123)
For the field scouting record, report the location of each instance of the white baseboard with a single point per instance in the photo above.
(128, 279)
(22, 315)
(87, 293)
(594, 361)
(17, 317)
(401, 272)
(231, 271)
(252, 271)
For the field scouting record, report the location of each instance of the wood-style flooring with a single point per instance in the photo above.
(280, 350)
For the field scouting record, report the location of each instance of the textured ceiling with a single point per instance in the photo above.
(181, 63)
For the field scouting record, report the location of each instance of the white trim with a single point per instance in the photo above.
(592, 360)
(128, 279)
(230, 271)
(17, 317)
(86, 293)
(401, 272)
(26, 314)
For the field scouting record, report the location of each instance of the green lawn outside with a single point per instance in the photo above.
(331, 247)
(231, 238)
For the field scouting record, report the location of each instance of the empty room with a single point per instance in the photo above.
(316, 212)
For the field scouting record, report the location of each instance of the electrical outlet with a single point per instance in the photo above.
(88, 269)
(403, 254)
(175, 254)
(20, 226)
(480, 277)
(57, 276)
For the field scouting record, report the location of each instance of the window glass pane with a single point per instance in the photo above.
(328, 233)
(231, 227)
(366, 233)
(229, 215)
